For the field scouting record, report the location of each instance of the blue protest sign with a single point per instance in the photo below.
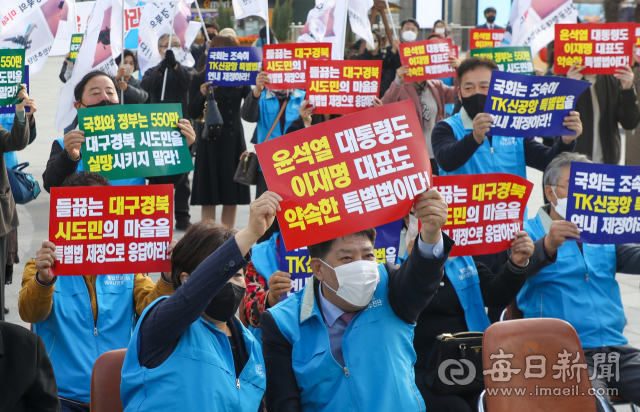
(11, 109)
(604, 201)
(530, 106)
(233, 66)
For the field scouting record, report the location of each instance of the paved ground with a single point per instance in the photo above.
(33, 229)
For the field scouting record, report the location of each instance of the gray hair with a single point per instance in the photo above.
(166, 36)
(560, 162)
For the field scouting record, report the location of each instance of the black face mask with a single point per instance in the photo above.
(101, 104)
(474, 104)
(225, 304)
(491, 18)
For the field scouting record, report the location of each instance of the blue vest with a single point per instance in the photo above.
(378, 355)
(506, 155)
(264, 257)
(198, 376)
(463, 274)
(6, 121)
(269, 108)
(579, 288)
(73, 340)
(136, 181)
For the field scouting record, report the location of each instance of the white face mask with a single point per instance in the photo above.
(439, 30)
(560, 206)
(357, 281)
(409, 36)
(177, 52)
(128, 69)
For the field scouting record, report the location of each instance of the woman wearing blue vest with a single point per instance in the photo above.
(94, 90)
(81, 317)
(188, 351)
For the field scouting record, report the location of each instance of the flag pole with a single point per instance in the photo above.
(122, 53)
(166, 70)
(75, 17)
(266, 20)
(393, 26)
(204, 28)
(346, 17)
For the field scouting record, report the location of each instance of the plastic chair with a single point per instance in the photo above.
(105, 382)
(620, 401)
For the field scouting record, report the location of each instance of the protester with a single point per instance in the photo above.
(263, 292)
(133, 92)
(198, 50)
(228, 31)
(27, 382)
(440, 28)
(67, 69)
(461, 145)
(190, 343)
(581, 288)
(375, 53)
(262, 38)
(490, 16)
(632, 149)
(218, 153)
(409, 30)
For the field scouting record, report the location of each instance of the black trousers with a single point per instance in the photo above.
(615, 371)
(181, 198)
(3, 267)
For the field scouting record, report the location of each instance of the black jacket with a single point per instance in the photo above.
(176, 89)
(484, 26)
(27, 382)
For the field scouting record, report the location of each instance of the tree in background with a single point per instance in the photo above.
(281, 20)
(225, 17)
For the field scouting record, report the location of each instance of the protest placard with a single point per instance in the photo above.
(604, 201)
(485, 38)
(76, 41)
(134, 140)
(508, 59)
(11, 75)
(342, 87)
(601, 47)
(638, 40)
(347, 174)
(528, 106)
(427, 59)
(11, 109)
(286, 64)
(485, 211)
(233, 66)
(102, 230)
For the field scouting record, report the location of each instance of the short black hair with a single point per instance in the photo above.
(489, 10)
(128, 53)
(320, 250)
(212, 25)
(79, 90)
(85, 179)
(473, 63)
(409, 20)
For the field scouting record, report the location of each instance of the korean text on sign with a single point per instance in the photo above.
(233, 66)
(12, 108)
(112, 229)
(485, 211)
(287, 63)
(348, 174)
(342, 87)
(508, 59)
(485, 38)
(129, 141)
(76, 41)
(428, 59)
(604, 201)
(12, 65)
(602, 47)
(528, 106)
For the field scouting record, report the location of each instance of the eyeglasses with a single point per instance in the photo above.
(564, 187)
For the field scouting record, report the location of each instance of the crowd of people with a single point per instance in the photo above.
(359, 336)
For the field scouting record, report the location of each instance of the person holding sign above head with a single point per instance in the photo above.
(81, 317)
(490, 15)
(580, 287)
(409, 31)
(133, 92)
(344, 342)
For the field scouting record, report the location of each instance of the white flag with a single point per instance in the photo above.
(359, 19)
(246, 8)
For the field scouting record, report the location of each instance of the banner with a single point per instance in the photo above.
(128, 141)
(485, 211)
(76, 41)
(485, 38)
(286, 64)
(9, 111)
(427, 59)
(343, 87)
(12, 64)
(68, 27)
(233, 66)
(103, 230)
(529, 106)
(326, 22)
(637, 48)
(347, 174)
(601, 47)
(604, 201)
(247, 8)
(508, 59)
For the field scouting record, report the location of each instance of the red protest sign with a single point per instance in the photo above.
(342, 87)
(601, 47)
(637, 40)
(485, 38)
(484, 210)
(347, 174)
(427, 59)
(102, 230)
(286, 64)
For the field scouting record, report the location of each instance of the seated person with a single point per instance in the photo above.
(190, 343)
(80, 318)
(344, 342)
(581, 288)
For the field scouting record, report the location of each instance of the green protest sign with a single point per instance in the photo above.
(76, 41)
(11, 75)
(508, 59)
(129, 141)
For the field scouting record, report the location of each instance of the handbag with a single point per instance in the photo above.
(23, 186)
(451, 353)
(211, 117)
(247, 171)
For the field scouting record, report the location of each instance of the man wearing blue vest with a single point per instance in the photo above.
(81, 317)
(580, 287)
(345, 341)
(461, 145)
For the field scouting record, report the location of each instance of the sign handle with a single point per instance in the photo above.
(204, 28)
(393, 26)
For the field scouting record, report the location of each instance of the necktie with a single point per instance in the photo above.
(348, 317)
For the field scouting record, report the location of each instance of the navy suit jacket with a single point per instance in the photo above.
(495, 27)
